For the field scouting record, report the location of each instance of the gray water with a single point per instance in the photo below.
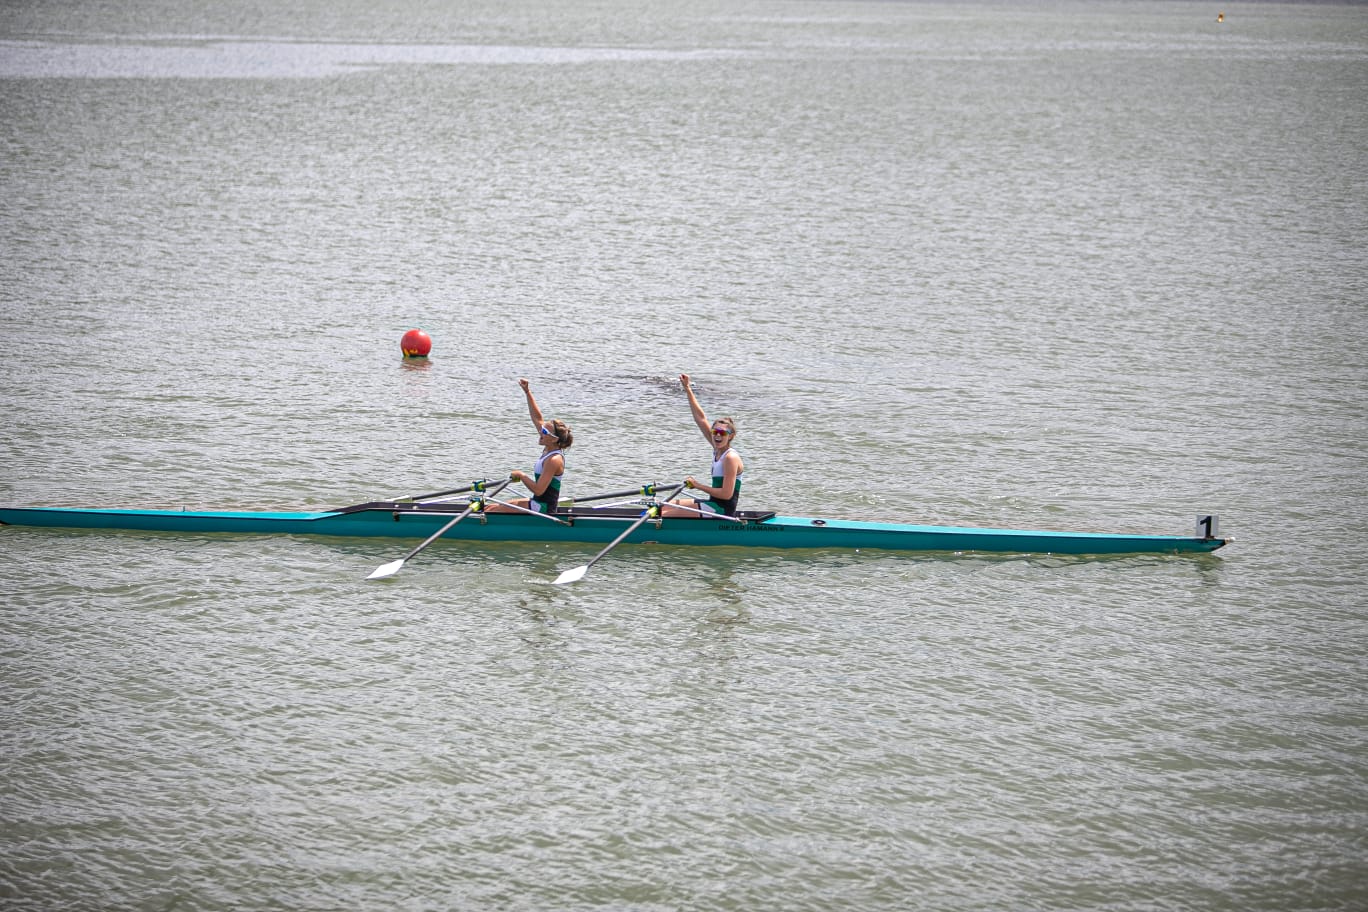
(1094, 265)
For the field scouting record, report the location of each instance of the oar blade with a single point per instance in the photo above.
(571, 576)
(385, 570)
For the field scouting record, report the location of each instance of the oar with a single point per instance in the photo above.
(649, 490)
(576, 574)
(394, 567)
(473, 486)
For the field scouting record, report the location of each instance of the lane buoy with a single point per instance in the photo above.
(416, 344)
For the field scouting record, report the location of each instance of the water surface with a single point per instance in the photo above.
(1089, 266)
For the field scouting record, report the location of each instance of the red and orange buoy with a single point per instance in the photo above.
(416, 344)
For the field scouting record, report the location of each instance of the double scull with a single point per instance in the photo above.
(597, 525)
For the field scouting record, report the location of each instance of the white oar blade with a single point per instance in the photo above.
(385, 570)
(571, 576)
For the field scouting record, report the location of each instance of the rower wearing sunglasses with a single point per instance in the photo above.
(544, 481)
(725, 490)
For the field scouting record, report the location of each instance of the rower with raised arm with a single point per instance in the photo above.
(544, 481)
(724, 492)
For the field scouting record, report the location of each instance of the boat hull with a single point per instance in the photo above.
(397, 520)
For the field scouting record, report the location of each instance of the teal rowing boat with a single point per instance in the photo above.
(596, 525)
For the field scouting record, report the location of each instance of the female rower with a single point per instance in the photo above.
(725, 490)
(544, 481)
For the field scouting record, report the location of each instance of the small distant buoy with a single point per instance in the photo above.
(416, 344)
(1220, 17)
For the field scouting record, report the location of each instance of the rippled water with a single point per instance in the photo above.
(1075, 265)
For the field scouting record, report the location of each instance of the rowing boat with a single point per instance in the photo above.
(595, 525)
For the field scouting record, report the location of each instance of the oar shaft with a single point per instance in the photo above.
(473, 486)
(643, 491)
